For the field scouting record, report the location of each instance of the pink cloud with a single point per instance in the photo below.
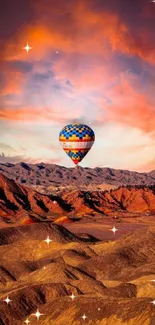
(128, 106)
(149, 166)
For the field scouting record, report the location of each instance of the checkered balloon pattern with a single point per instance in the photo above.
(77, 140)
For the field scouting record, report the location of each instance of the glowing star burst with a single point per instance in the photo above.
(84, 317)
(153, 302)
(48, 240)
(7, 300)
(72, 296)
(114, 229)
(27, 48)
(37, 314)
(27, 321)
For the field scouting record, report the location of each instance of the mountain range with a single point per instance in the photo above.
(22, 204)
(49, 177)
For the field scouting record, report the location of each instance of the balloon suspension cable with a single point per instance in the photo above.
(76, 166)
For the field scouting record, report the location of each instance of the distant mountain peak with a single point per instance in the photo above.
(54, 175)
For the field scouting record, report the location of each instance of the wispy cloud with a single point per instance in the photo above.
(11, 159)
(4, 146)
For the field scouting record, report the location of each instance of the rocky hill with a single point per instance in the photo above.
(17, 200)
(108, 282)
(19, 203)
(52, 176)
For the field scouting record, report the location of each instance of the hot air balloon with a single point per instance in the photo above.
(76, 140)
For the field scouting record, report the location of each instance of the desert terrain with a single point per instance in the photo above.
(108, 282)
(61, 259)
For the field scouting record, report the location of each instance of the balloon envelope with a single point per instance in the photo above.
(76, 140)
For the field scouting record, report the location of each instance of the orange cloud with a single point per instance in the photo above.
(129, 106)
(13, 83)
(21, 114)
(85, 32)
(32, 114)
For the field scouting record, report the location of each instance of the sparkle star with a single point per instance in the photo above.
(37, 314)
(48, 240)
(27, 48)
(7, 300)
(54, 202)
(27, 321)
(84, 317)
(72, 296)
(153, 302)
(114, 229)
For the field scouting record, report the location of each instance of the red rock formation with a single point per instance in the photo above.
(21, 202)
(123, 199)
(16, 199)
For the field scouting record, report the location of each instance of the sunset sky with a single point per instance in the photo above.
(92, 61)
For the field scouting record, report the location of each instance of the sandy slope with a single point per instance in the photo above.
(111, 280)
